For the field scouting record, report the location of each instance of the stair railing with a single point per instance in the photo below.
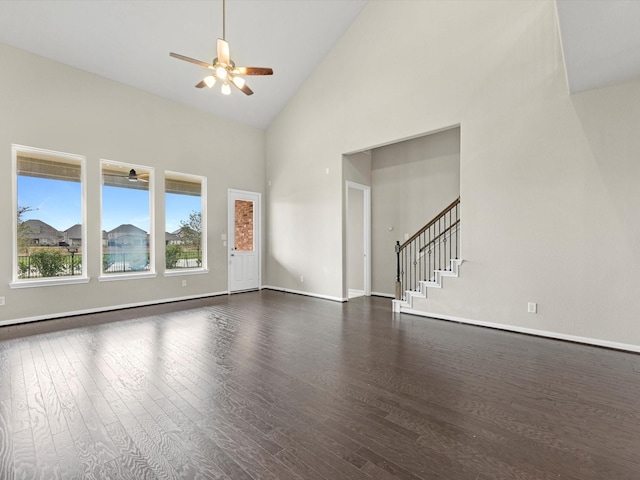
(430, 249)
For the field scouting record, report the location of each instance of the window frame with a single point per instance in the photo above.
(203, 212)
(151, 273)
(16, 282)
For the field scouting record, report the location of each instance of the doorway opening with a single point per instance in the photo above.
(410, 181)
(358, 239)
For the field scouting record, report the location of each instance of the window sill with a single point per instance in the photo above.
(174, 272)
(48, 282)
(115, 277)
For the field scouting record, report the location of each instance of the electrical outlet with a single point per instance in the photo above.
(301, 279)
(184, 283)
(2, 301)
(532, 307)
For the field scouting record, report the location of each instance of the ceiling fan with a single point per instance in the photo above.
(132, 176)
(224, 69)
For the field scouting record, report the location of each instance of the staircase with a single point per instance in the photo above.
(427, 257)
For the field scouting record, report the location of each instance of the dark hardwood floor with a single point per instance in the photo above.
(268, 385)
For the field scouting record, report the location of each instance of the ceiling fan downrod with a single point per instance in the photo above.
(224, 15)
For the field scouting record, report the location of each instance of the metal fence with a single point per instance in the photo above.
(60, 266)
(65, 265)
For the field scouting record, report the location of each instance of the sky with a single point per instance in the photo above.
(58, 203)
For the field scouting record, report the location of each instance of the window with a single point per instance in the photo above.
(127, 220)
(49, 231)
(185, 235)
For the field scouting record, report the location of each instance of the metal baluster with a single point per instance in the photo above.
(450, 238)
(437, 244)
(457, 232)
(407, 270)
(429, 275)
(402, 287)
(443, 249)
(420, 256)
(413, 265)
(398, 284)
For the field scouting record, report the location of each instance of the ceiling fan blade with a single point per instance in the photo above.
(191, 60)
(253, 71)
(244, 88)
(201, 84)
(223, 51)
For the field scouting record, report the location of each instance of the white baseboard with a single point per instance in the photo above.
(530, 331)
(380, 294)
(109, 308)
(308, 294)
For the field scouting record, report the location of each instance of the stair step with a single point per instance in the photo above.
(424, 285)
(447, 273)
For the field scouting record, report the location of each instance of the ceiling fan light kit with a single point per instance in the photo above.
(224, 68)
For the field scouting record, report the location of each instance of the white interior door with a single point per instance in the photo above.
(244, 240)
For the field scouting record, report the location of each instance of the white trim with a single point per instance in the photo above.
(529, 331)
(203, 214)
(308, 294)
(380, 294)
(114, 277)
(257, 234)
(152, 217)
(107, 309)
(366, 192)
(82, 160)
(48, 282)
(175, 272)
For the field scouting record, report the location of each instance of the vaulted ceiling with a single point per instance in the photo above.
(130, 41)
(600, 42)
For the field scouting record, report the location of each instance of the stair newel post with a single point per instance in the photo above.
(398, 284)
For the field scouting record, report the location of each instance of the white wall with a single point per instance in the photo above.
(411, 183)
(549, 183)
(48, 105)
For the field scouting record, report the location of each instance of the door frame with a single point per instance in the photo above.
(257, 232)
(366, 190)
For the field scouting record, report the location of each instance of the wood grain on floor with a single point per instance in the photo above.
(274, 386)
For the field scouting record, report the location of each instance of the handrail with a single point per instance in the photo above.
(431, 223)
(440, 238)
(436, 238)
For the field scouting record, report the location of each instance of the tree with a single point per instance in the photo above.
(24, 241)
(172, 255)
(50, 262)
(191, 232)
